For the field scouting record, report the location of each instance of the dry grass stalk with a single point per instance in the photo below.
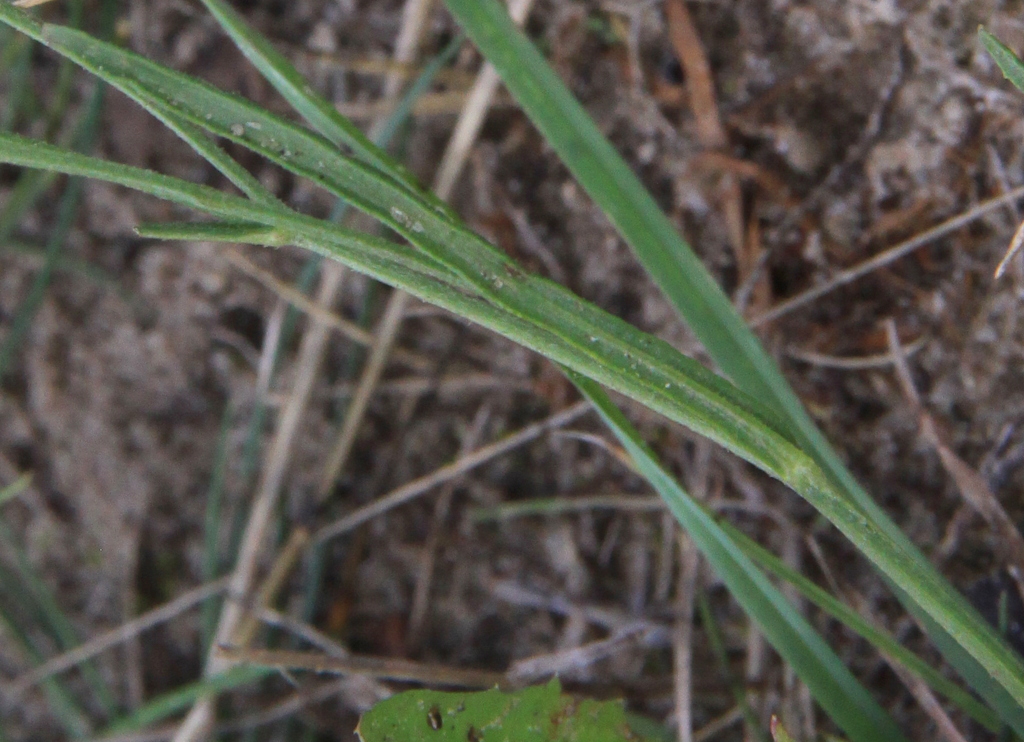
(972, 486)
(886, 257)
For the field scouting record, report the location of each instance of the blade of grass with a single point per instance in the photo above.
(38, 597)
(75, 266)
(830, 682)
(318, 111)
(15, 488)
(26, 191)
(67, 711)
(61, 92)
(212, 560)
(693, 397)
(852, 620)
(66, 214)
(67, 211)
(19, 84)
(684, 280)
(182, 698)
(1009, 63)
(449, 245)
(613, 186)
(717, 645)
(486, 268)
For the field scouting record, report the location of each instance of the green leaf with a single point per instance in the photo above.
(15, 488)
(296, 90)
(182, 698)
(1009, 63)
(683, 279)
(540, 713)
(830, 682)
(878, 638)
(620, 357)
(779, 733)
(452, 267)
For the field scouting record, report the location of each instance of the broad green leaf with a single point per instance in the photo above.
(540, 713)
(830, 682)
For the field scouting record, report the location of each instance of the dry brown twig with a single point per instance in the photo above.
(381, 668)
(425, 575)
(682, 639)
(115, 636)
(888, 256)
(700, 86)
(1016, 243)
(971, 485)
(418, 487)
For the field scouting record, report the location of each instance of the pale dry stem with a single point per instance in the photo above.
(888, 256)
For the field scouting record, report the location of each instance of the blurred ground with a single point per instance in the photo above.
(850, 127)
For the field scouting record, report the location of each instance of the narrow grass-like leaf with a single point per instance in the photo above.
(287, 80)
(609, 351)
(22, 321)
(60, 96)
(212, 527)
(15, 488)
(60, 700)
(1010, 64)
(38, 598)
(30, 185)
(877, 637)
(621, 358)
(19, 85)
(608, 179)
(830, 682)
(182, 698)
(716, 643)
(493, 274)
(75, 266)
(67, 211)
(672, 264)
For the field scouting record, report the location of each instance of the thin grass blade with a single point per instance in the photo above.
(1009, 63)
(716, 643)
(878, 638)
(15, 488)
(36, 596)
(681, 276)
(182, 698)
(287, 80)
(67, 711)
(212, 527)
(830, 682)
(616, 358)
